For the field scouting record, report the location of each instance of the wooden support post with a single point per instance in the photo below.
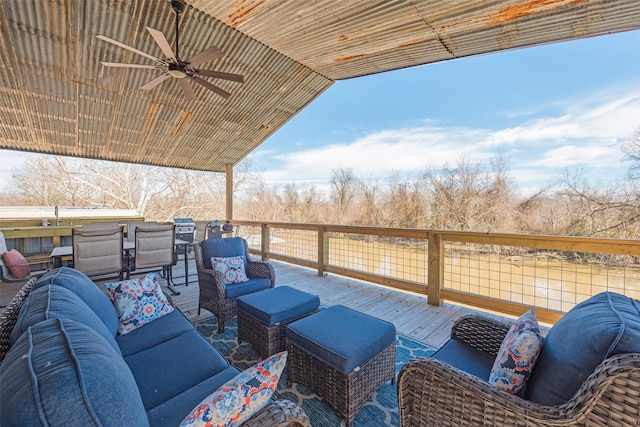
(436, 268)
(323, 247)
(264, 242)
(229, 204)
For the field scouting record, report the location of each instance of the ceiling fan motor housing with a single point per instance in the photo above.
(177, 6)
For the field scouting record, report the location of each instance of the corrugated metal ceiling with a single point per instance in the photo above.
(57, 98)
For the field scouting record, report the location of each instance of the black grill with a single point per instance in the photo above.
(185, 228)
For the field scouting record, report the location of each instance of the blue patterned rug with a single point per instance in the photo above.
(380, 410)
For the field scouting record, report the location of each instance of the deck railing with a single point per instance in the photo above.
(506, 273)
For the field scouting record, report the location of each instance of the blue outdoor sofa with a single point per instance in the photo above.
(62, 362)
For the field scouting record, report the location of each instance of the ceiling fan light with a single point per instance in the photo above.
(178, 74)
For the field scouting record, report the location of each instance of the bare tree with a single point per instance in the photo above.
(344, 188)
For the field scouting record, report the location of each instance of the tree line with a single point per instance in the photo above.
(468, 196)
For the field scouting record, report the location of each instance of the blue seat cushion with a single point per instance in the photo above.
(174, 410)
(232, 246)
(56, 302)
(61, 372)
(234, 290)
(174, 366)
(466, 358)
(278, 305)
(602, 326)
(340, 337)
(81, 285)
(153, 333)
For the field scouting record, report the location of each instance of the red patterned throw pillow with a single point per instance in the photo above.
(517, 355)
(16, 263)
(240, 398)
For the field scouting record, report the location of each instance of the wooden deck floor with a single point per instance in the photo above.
(410, 313)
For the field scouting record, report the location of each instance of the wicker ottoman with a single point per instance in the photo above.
(263, 316)
(343, 356)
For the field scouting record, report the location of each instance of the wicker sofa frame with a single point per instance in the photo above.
(431, 392)
(279, 413)
(212, 285)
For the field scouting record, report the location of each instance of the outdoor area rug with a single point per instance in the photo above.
(380, 410)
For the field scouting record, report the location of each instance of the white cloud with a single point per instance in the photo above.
(588, 133)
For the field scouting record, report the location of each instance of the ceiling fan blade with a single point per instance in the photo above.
(211, 87)
(186, 88)
(155, 82)
(204, 56)
(220, 75)
(124, 46)
(161, 40)
(123, 65)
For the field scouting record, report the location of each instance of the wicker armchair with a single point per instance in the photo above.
(432, 392)
(213, 290)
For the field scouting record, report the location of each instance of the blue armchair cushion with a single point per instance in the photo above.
(278, 305)
(56, 302)
(235, 290)
(232, 246)
(61, 372)
(340, 337)
(462, 356)
(602, 326)
(81, 285)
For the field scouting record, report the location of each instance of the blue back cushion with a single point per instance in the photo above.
(81, 285)
(56, 302)
(602, 326)
(232, 246)
(61, 372)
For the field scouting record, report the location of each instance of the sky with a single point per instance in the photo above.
(543, 109)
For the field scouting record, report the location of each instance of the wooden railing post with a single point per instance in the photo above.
(323, 247)
(264, 241)
(435, 268)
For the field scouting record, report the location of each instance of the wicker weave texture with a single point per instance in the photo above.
(9, 316)
(266, 340)
(281, 413)
(212, 285)
(433, 393)
(345, 393)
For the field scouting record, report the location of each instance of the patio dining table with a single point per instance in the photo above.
(63, 251)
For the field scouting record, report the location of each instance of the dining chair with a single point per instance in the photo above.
(98, 251)
(132, 225)
(155, 250)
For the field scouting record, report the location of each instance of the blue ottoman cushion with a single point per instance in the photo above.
(235, 290)
(602, 326)
(56, 302)
(278, 305)
(81, 285)
(232, 246)
(340, 337)
(61, 372)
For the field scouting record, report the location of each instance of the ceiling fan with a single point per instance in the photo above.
(173, 66)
